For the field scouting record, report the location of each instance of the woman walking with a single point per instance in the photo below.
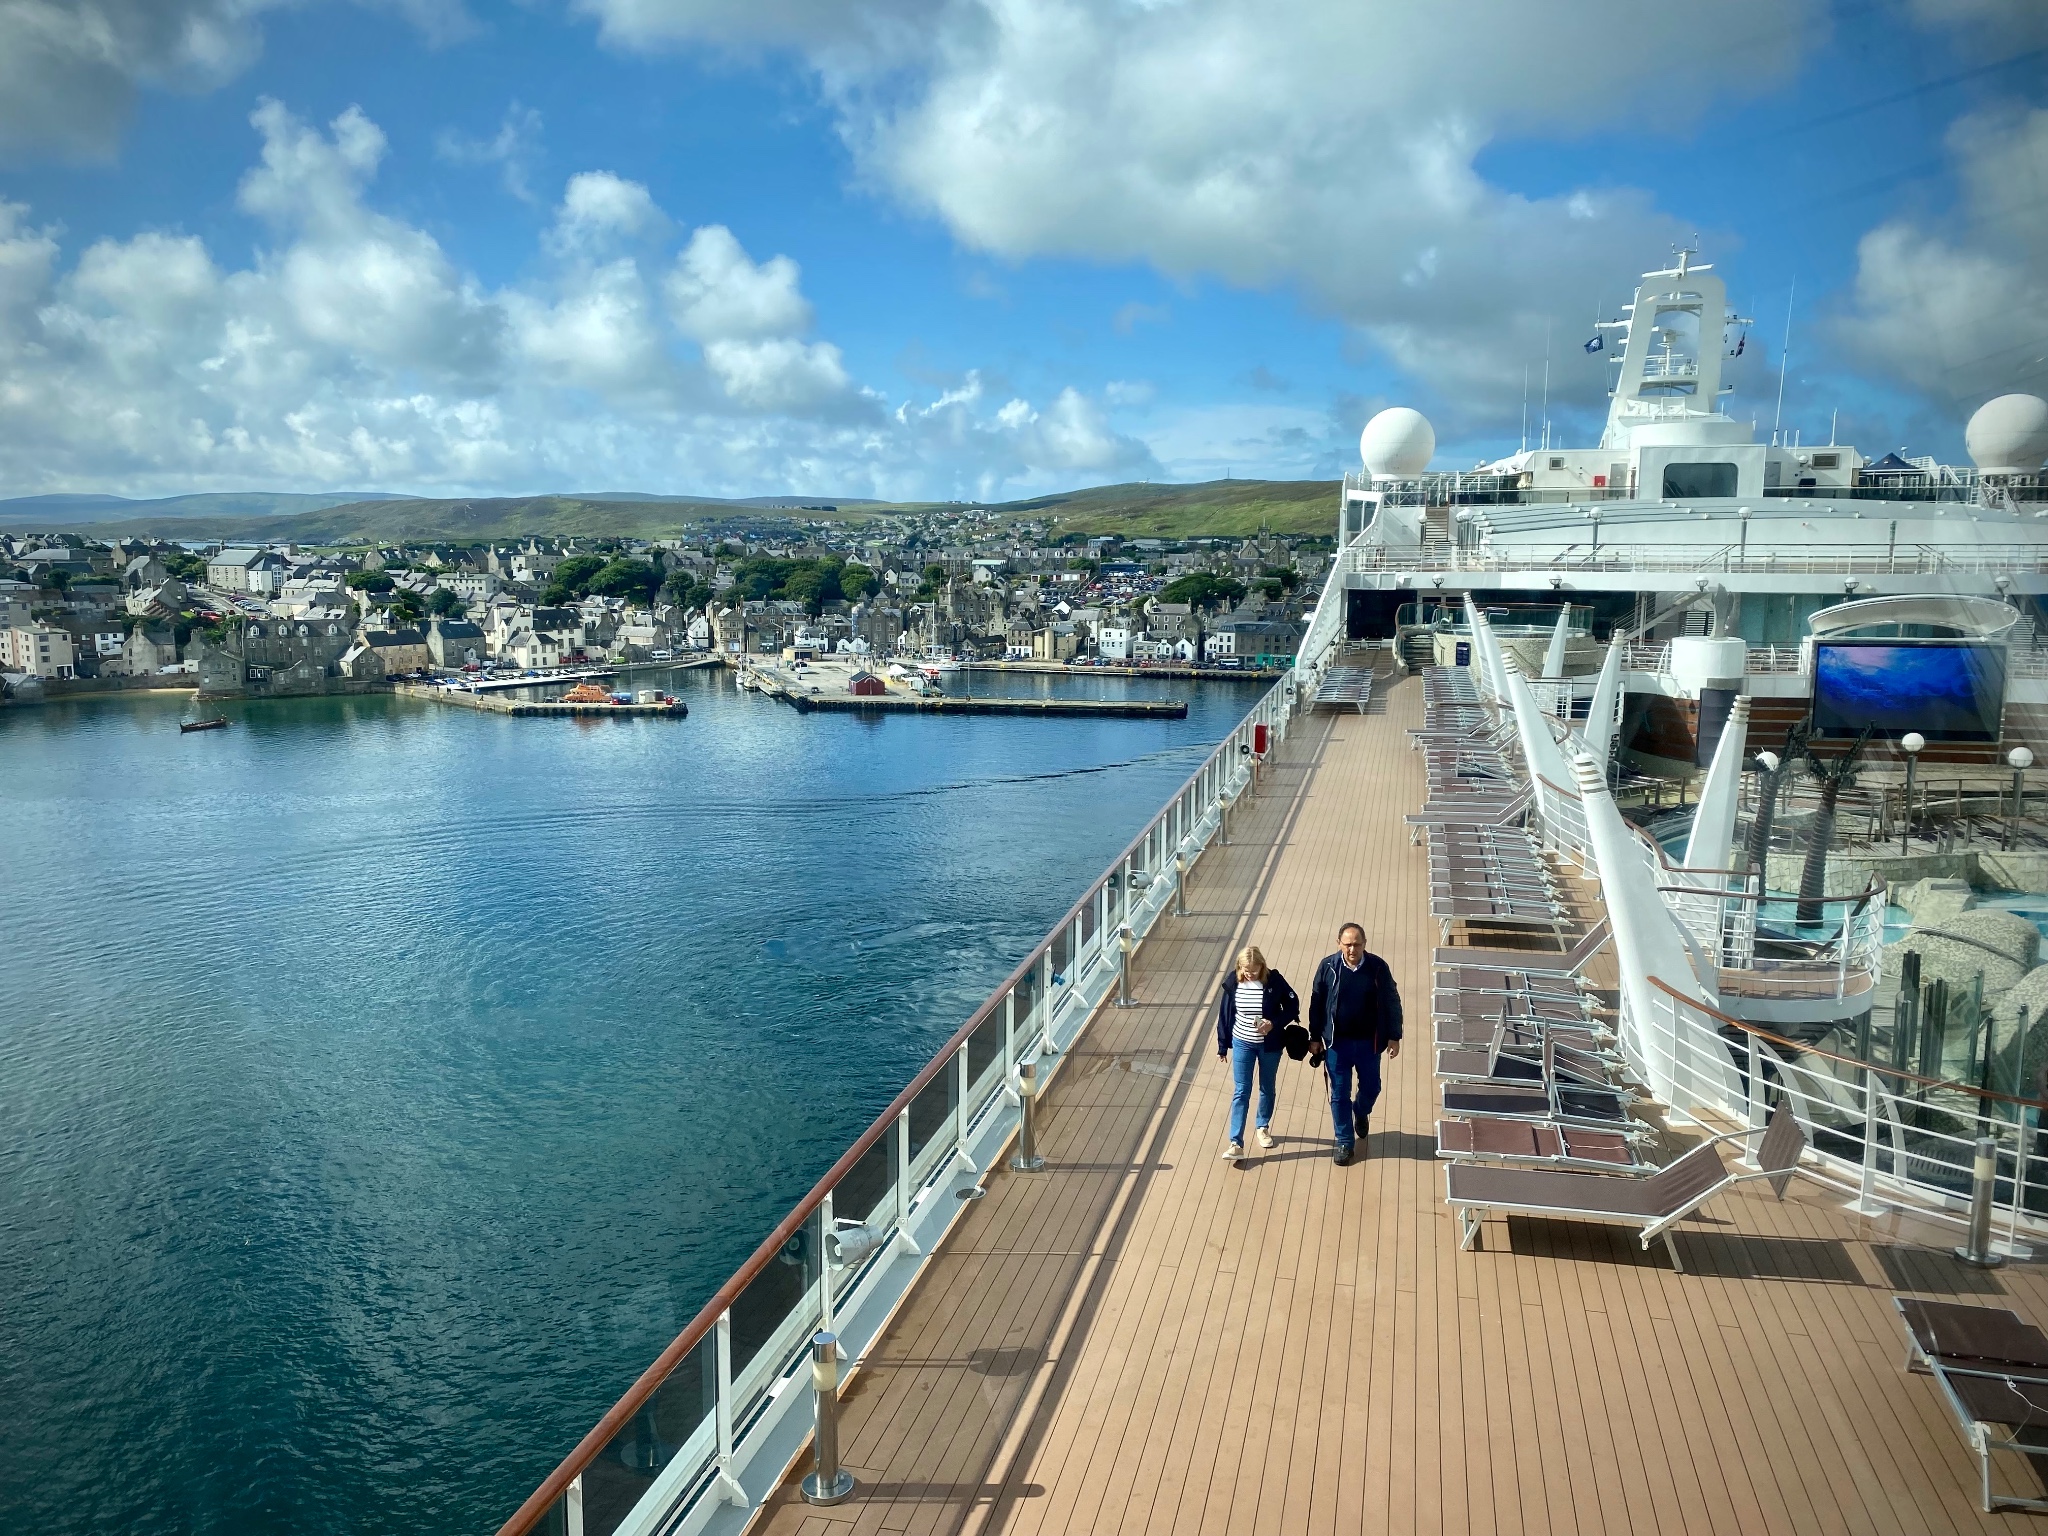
(1256, 1007)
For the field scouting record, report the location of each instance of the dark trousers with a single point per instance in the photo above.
(1346, 1059)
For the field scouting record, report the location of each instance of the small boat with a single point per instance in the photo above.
(203, 725)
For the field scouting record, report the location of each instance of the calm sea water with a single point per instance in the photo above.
(383, 1084)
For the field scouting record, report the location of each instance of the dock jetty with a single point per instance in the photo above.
(846, 684)
(464, 698)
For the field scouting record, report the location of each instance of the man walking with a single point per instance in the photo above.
(1353, 1015)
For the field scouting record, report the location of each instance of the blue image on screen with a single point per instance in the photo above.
(1945, 692)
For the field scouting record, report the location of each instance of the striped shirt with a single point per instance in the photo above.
(1251, 1003)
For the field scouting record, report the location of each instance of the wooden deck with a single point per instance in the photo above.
(1145, 1338)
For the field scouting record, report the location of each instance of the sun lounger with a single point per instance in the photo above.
(1534, 962)
(1597, 1109)
(1652, 1205)
(1516, 1064)
(1539, 1146)
(1992, 1369)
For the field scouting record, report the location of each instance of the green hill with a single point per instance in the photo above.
(1216, 508)
(1211, 508)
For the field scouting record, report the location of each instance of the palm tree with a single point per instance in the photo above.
(1756, 852)
(1832, 775)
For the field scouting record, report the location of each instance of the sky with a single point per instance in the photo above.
(977, 249)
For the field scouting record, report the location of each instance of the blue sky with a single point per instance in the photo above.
(972, 248)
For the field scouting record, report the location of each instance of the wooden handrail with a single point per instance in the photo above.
(635, 1398)
(1848, 1061)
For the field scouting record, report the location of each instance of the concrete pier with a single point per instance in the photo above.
(463, 699)
(830, 684)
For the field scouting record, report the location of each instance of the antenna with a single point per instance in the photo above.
(1784, 356)
(1546, 386)
(1525, 408)
(1832, 417)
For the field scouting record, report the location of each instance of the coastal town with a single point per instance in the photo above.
(79, 615)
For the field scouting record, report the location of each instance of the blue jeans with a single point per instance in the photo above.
(1345, 1058)
(1243, 1057)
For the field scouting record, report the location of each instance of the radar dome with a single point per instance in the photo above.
(1397, 442)
(2007, 436)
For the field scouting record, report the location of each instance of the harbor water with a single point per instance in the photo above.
(382, 1085)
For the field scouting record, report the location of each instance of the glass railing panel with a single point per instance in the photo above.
(984, 1055)
(1061, 946)
(773, 1314)
(1026, 995)
(1089, 921)
(628, 1465)
(868, 1191)
(931, 1113)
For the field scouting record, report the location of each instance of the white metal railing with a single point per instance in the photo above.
(1895, 1139)
(724, 1406)
(1693, 559)
(1325, 630)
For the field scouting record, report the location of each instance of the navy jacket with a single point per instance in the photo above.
(1354, 1005)
(1282, 1008)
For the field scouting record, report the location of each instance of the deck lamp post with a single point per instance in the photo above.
(830, 1483)
(1026, 1158)
(2021, 760)
(1911, 744)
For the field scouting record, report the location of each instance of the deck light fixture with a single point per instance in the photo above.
(2021, 760)
(1911, 744)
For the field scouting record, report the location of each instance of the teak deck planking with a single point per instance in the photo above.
(1146, 1338)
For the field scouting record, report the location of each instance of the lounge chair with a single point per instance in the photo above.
(1594, 1109)
(1505, 1062)
(1530, 962)
(1653, 1205)
(1545, 1146)
(1992, 1369)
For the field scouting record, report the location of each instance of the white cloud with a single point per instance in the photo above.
(353, 351)
(1959, 311)
(512, 149)
(716, 293)
(1327, 145)
(598, 206)
(70, 69)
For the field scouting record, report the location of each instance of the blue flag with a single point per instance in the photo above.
(1597, 344)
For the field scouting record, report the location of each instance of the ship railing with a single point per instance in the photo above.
(709, 1427)
(1695, 559)
(1894, 1140)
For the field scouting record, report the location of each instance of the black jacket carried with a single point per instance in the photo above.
(1282, 1009)
(1351, 1005)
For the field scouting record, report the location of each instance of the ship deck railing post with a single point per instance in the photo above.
(1866, 1203)
(1010, 1044)
(961, 1085)
(826, 1300)
(1125, 943)
(572, 1507)
(728, 1486)
(1047, 1046)
(903, 1238)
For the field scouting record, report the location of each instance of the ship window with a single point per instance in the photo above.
(1687, 480)
(1557, 463)
(1827, 461)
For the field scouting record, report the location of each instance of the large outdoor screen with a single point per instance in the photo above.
(1947, 691)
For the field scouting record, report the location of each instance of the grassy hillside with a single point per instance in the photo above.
(467, 521)
(1219, 508)
(66, 511)
(1210, 509)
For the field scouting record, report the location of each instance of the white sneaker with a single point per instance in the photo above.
(1233, 1152)
(1265, 1138)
